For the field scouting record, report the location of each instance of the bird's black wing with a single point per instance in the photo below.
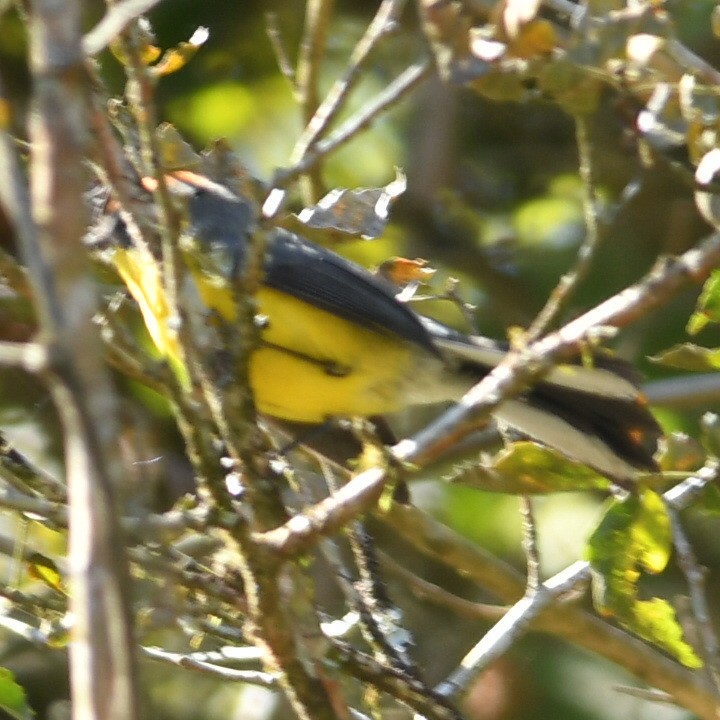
(321, 278)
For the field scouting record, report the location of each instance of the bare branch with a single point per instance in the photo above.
(566, 620)
(530, 543)
(392, 94)
(102, 658)
(514, 623)
(570, 281)
(312, 48)
(387, 14)
(695, 578)
(251, 677)
(117, 18)
(701, 389)
(31, 357)
(276, 42)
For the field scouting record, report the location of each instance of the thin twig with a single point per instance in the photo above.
(390, 96)
(117, 18)
(31, 357)
(272, 28)
(251, 677)
(425, 590)
(54, 513)
(518, 619)
(570, 281)
(695, 578)
(530, 543)
(646, 694)
(312, 48)
(26, 632)
(393, 682)
(384, 19)
(514, 623)
(37, 480)
(141, 95)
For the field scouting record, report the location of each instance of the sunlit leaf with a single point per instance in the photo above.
(687, 356)
(708, 307)
(147, 50)
(535, 465)
(12, 697)
(44, 569)
(633, 537)
(655, 620)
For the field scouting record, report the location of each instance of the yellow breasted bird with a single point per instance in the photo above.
(337, 342)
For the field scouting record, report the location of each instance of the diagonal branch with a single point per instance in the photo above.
(510, 377)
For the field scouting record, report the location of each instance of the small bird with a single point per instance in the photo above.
(336, 341)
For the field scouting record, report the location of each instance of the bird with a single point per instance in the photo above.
(335, 340)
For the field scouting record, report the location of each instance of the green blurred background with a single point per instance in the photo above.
(494, 200)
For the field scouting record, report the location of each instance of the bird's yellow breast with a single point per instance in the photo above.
(345, 369)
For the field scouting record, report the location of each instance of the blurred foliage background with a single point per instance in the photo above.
(494, 200)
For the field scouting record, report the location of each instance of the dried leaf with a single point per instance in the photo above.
(177, 57)
(176, 152)
(534, 39)
(356, 213)
(403, 271)
(681, 452)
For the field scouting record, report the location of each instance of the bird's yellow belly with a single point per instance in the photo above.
(311, 364)
(314, 365)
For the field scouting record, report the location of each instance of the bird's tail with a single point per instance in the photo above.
(595, 415)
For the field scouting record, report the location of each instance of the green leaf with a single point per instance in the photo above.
(654, 620)
(710, 500)
(634, 537)
(44, 569)
(708, 307)
(531, 465)
(687, 356)
(12, 697)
